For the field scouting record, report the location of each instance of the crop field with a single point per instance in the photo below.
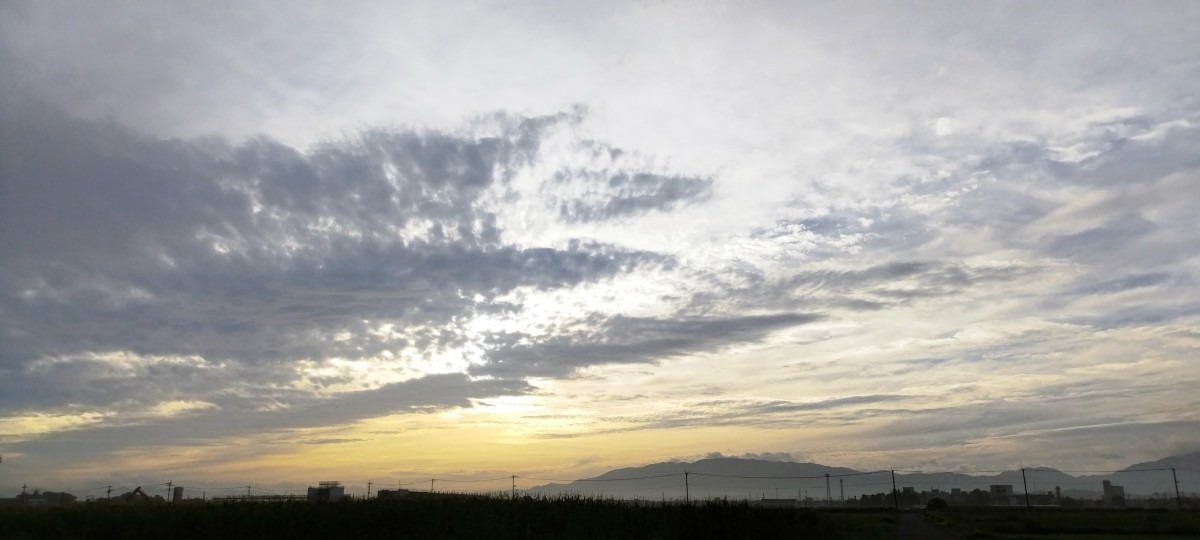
(1065, 523)
(448, 517)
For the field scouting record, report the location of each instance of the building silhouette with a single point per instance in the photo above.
(1002, 494)
(1113, 495)
(326, 492)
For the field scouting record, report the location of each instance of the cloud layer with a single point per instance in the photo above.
(811, 229)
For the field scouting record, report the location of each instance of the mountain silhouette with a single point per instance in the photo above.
(1186, 461)
(742, 478)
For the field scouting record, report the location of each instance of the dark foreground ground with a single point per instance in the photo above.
(465, 518)
(576, 518)
(1065, 523)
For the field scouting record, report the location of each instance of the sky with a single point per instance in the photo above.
(274, 243)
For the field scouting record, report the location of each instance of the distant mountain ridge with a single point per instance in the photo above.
(1186, 461)
(729, 466)
(755, 478)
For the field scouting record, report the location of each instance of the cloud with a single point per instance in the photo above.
(144, 270)
(920, 220)
(1102, 240)
(1128, 283)
(237, 420)
(625, 194)
(624, 340)
(755, 412)
(851, 287)
(768, 414)
(788, 457)
(331, 440)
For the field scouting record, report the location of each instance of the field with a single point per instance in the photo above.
(567, 517)
(1064, 523)
(449, 517)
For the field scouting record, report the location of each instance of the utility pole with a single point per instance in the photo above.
(368, 489)
(514, 487)
(895, 494)
(169, 491)
(431, 484)
(1178, 501)
(842, 486)
(247, 492)
(108, 494)
(828, 493)
(687, 492)
(1026, 484)
(23, 501)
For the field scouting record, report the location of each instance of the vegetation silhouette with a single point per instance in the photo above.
(442, 517)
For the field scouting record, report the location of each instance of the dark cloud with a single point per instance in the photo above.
(625, 340)
(252, 256)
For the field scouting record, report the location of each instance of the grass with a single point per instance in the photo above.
(442, 517)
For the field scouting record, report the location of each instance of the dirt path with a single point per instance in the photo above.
(912, 527)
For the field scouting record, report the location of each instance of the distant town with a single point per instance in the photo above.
(1172, 482)
(1109, 495)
